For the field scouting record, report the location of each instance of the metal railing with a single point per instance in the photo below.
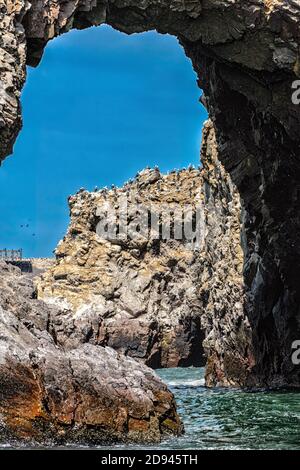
(11, 255)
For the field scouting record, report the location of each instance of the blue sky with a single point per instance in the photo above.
(100, 107)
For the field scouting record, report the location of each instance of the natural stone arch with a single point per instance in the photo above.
(246, 55)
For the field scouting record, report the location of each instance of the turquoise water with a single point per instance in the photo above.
(231, 419)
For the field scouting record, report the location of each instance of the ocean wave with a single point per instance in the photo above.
(186, 383)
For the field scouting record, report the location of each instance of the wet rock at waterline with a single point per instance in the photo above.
(85, 395)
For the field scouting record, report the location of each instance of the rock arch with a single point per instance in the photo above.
(246, 55)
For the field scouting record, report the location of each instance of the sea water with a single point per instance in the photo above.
(227, 418)
(231, 419)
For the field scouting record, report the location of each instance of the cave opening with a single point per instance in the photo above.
(114, 105)
(129, 105)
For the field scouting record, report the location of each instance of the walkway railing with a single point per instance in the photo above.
(11, 255)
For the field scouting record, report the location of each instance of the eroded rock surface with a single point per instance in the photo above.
(85, 395)
(152, 298)
(222, 290)
(136, 293)
(246, 54)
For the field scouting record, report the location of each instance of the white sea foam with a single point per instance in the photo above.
(187, 383)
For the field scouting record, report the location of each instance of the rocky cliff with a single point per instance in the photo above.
(246, 54)
(222, 291)
(133, 291)
(85, 395)
(149, 294)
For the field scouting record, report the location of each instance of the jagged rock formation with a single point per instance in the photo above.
(246, 54)
(152, 298)
(86, 395)
(222, 291)
(136, 293)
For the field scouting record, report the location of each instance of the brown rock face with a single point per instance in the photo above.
(136, 291)
(157, 299)
(85, 395)
(247, 57)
